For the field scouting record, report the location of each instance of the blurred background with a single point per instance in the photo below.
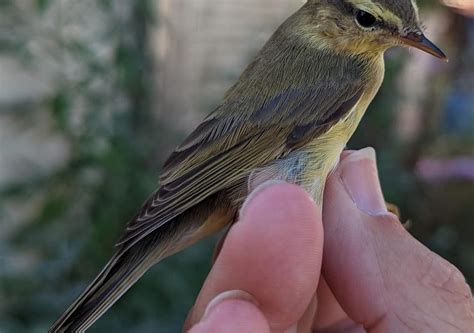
(96, 93)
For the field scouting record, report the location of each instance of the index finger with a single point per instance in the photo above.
(273, 253)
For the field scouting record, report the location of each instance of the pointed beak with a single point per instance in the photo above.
(419, 41)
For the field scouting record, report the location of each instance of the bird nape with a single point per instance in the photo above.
(287, 118)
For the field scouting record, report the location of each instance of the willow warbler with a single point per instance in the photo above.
(287, 118)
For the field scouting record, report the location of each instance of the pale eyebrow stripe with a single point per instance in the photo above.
(415, 5)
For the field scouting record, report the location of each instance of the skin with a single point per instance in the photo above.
(375, 276)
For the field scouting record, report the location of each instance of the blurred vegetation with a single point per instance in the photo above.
(100, 103)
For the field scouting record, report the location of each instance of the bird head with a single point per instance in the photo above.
(366, 26)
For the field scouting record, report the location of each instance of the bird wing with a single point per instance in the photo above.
(230, 143)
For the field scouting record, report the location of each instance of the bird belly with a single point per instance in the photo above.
(303, 168)
(323, 152)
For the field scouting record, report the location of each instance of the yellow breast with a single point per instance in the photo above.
(324, 151)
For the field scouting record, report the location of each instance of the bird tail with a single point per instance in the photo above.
(120, 273)
(134, 258)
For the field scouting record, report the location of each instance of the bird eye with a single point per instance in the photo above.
(365, 19)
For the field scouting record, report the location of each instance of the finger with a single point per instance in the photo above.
(330, 316)
(232, 316)
(218, 248)
(305, 324)
(273, 253)
(382, 277)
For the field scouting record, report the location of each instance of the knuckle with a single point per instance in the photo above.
(447, 278)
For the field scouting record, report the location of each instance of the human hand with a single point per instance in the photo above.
(375, 276)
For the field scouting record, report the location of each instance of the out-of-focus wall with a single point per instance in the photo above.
(201, 47)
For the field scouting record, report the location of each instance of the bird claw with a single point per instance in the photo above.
(392, 208)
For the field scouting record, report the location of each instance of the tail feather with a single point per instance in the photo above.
(132, 261)
(114, 280)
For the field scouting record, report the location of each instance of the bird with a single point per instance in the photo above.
(287, 118)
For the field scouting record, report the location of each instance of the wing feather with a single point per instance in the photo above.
(228, 145)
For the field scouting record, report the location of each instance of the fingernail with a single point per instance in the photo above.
(360, 177)
(292, 329)
(261, 188)
(227, 295)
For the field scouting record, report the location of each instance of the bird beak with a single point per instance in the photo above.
(419, 41)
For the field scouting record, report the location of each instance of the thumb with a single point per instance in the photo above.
(383, 278)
